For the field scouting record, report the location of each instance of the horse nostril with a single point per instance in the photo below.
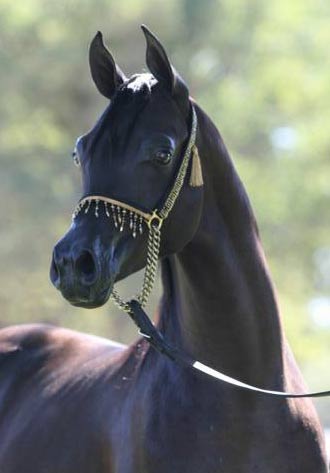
(86, 267)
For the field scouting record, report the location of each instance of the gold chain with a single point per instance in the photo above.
(170, 201)
(149, 273)
(151, 267)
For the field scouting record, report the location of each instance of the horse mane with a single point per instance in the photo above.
(214, 155)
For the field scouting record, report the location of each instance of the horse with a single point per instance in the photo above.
(72, 402)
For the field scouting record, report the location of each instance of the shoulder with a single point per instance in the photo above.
(27, 350)
(36, 336)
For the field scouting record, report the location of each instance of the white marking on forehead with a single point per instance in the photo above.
(141, 80)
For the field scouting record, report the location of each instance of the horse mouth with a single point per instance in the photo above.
(89, 301)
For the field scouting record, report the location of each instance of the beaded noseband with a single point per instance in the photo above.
(124, 215)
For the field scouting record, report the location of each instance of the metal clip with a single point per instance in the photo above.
(155, 220)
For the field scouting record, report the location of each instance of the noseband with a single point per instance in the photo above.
(124, 214)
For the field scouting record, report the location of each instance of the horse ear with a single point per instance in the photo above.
(106, 75)
(160, 66)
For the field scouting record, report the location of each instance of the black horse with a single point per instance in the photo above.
(71, 402)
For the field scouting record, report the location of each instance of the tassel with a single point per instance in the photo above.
(196, 176)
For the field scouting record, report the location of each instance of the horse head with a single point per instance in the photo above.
(131, 156)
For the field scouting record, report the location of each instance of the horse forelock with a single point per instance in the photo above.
(121, 114)
(140, 82)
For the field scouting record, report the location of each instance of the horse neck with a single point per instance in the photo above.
(218, 302)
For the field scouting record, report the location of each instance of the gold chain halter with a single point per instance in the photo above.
(122, 214)
(125, 214)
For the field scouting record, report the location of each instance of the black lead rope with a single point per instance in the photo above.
(158, 342)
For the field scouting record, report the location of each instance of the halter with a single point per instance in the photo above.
(124, 214)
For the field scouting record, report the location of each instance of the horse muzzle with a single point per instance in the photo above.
(84, 274)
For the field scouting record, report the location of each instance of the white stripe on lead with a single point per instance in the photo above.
(227, 379)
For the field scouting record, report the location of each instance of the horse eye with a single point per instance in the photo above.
(164, 156)
(75, 157)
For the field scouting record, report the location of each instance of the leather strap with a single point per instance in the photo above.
(158, 342)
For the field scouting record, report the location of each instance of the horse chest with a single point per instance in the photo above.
(169, 434)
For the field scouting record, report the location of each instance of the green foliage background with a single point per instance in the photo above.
(257, 67)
